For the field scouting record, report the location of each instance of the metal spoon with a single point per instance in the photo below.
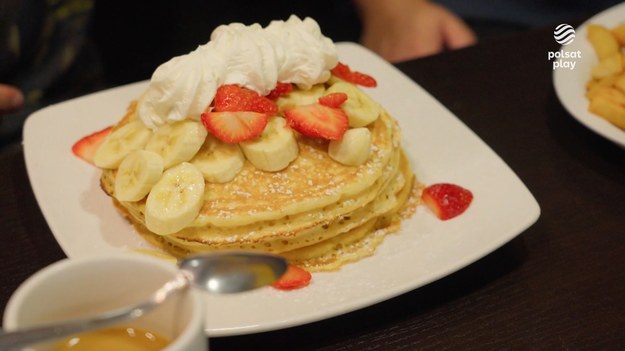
(219, 273)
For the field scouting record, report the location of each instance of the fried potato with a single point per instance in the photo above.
(606, 88)
(619, 83)
(606, 81)
(608, 66)
(611, 94)
(599, 86)
(608, 109)
(602, 41)
(618, 33)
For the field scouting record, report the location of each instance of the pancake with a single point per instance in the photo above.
(321, 202)
(316, 212)
(319, 227)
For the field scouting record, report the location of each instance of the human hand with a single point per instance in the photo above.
(404, 29)
(11, 98)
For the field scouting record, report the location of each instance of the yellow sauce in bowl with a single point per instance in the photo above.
(122, 338)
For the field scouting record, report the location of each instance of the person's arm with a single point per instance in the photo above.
(11, 98)
(403, 29)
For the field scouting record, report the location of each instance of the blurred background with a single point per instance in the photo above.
(54, 50)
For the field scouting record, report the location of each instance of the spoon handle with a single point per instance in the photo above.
(19, 338)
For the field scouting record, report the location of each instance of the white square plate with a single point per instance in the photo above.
(440, 147)
(570, 85)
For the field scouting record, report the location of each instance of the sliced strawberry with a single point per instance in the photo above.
(87, 146)
(318, 121)
(341, 70)
(447, 200)
(280, 90)
(344, 72)
(363, 79)
(235, 127)
(333, 99)
(294, 278)
(234, 98)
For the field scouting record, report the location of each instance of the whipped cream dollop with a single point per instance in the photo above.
(293, 51)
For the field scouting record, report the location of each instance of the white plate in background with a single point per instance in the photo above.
(570, 85)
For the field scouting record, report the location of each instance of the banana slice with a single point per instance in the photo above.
(274, 148)
(177, 142)
(175, 200)
(359, 107)
(301, 97)
(137, 174)
(219, 162)
(353, 149)
(121, 142)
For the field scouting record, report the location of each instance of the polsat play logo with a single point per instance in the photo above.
(564, 34)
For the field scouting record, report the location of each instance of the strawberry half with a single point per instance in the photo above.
(235, 127)
(234, 98)
(333, 99)
(344, 72)
(446, 200)
(318, 121)
(86, 147)
(294, 278)
(280, 90)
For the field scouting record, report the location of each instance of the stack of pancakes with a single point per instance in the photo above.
(317, 212)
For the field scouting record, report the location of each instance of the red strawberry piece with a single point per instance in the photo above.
(294, 278)
(234, 98)
(235, 127)
(87, 146)
(280, 90)
(318, 121)
(333, 99)
(344, 72)
(341, 70)
(446, 200)
(363, 79)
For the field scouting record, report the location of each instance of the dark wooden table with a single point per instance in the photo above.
(560, 285)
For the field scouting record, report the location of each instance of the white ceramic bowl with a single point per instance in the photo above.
(74, 288)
